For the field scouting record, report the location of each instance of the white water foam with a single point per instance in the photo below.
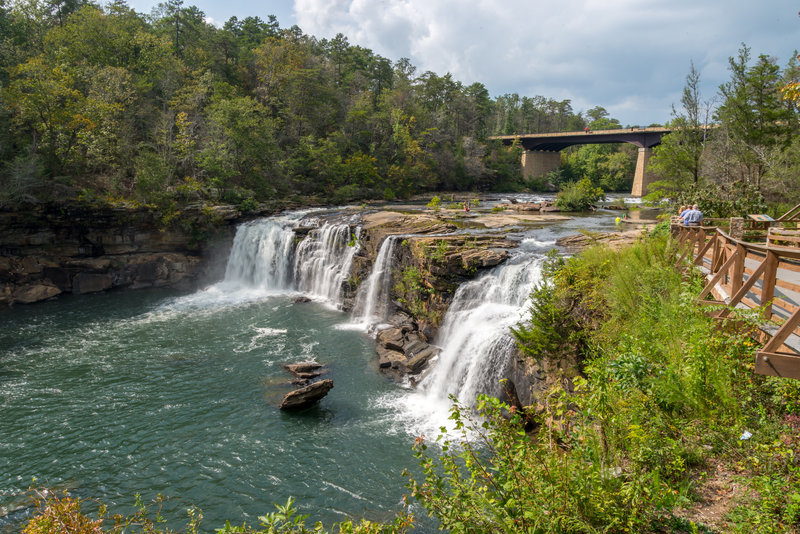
(372, 300)
(476, 343)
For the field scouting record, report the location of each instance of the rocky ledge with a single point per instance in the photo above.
(402, 350)
(615, 240)
(54, 249)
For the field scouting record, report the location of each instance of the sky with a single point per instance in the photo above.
(629, 56)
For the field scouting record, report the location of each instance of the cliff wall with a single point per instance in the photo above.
(54, 249)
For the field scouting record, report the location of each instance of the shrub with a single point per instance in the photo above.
(435, 203)
(735, 200)
(579, 196)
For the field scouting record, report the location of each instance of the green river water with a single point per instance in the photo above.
(146, 392)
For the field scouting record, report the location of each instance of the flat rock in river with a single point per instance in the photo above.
(303, 367)
(389, 358)
(306, 396)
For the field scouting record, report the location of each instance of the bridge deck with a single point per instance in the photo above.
(554, 141)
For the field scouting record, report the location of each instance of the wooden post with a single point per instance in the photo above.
(737, 277)
(768, 287)
(737, 228)
(717, 256)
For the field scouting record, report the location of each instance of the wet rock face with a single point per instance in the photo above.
(52, 249)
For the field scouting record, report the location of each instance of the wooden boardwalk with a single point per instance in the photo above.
(752, 275)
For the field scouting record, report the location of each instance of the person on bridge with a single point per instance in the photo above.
(693, 217)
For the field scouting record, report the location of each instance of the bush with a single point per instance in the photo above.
(435, 203)
(496, 479)
(719, 201)
(579, 196)
(59, 513)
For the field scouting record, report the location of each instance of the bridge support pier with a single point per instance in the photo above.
(643, 177)
(536, 163)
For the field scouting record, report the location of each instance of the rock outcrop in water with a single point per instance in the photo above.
(402, 349)
(304, 372)
(307, 396)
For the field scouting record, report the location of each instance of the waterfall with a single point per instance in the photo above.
(372, 300)
(323, 260)
(264, 257)
(475, 336)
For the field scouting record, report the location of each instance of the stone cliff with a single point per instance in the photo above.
(53, 249)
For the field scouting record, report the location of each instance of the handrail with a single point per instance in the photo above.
(790, 252)
(733, 281)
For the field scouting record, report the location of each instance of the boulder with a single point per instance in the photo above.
(306, 396)
(525, 206)
(550, 209)
(35, 293)
(420, 359)
(414, 347)
(301, 299)
(389, 358)
(392, 338)
(303, 367)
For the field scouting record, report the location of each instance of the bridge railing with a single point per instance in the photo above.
(745, 274)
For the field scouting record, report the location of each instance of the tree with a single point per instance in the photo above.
(47, 103)
(677, 160)
(753, 114)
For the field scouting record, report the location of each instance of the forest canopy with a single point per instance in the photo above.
(102, 102)
(107, 102)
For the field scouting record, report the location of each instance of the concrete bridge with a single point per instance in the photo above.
(542, 152)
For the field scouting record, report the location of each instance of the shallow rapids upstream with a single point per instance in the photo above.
(113, 394)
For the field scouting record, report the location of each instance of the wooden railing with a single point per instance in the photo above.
(753, 275)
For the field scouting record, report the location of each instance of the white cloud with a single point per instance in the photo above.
(630, 56)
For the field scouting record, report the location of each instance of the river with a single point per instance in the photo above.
(119, 393)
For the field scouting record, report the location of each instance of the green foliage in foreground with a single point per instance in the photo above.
(58, 513)
(662, 397)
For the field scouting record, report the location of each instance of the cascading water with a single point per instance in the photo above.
(372, 300)
(475, 336)
(323, 260)
(264, 257)
(476, 341)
